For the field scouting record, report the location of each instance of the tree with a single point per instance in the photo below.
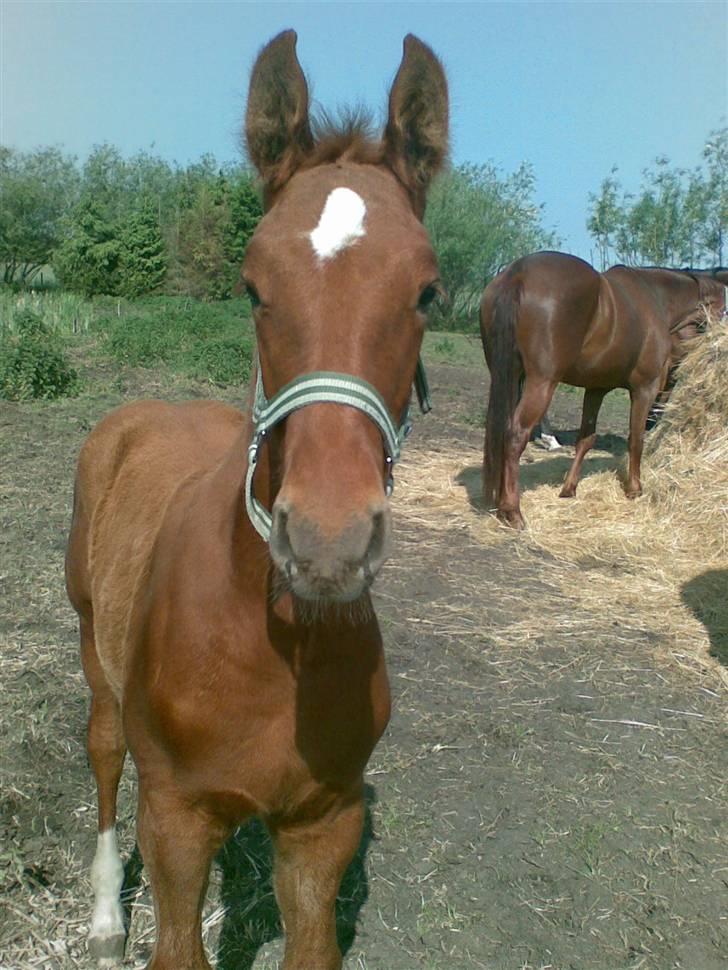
(246, 212)
(203, 268)
(677, 217)
(87, 261)
(606, 217)
(715, 217)
(142, 257)
(36, 190)
(478, 222)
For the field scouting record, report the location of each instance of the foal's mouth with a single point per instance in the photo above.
(314, 602)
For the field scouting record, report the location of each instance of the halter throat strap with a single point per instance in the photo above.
(329, 387)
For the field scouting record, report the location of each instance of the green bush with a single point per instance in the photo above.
(142, 340)
(208, 341)
(221, 360)
(32, 362)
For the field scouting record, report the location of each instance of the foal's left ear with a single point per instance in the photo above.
(416, 136)
(277, 128)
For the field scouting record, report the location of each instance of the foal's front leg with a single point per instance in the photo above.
(177, 843)
(310, 863)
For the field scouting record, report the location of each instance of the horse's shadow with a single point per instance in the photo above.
(706, 596)
(550, 469)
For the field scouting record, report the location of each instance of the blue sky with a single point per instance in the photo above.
(573, 88)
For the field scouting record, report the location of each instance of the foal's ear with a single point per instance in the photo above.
(416, 136)
(277, 129)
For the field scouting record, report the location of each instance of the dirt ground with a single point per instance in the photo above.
(550, 793)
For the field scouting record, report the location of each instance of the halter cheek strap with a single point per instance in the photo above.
(328, 387)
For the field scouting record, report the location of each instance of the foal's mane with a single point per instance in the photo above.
(349, 136)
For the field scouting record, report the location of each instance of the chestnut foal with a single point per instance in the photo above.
(551, 317)
(246, 677)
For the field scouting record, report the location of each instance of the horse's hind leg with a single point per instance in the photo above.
(534, 402)
(106, 750)
(593, 398)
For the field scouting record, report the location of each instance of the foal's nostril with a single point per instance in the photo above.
(279, 541)
(378, 543)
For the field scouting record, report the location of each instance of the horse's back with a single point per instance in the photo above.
(131, 467)
(552, 298)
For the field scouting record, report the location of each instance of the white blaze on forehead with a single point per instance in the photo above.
(340, 225)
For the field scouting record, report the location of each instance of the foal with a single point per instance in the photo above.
(246, 677)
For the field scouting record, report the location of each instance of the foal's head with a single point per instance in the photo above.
(340, 272)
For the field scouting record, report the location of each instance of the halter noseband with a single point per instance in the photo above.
(330, 387)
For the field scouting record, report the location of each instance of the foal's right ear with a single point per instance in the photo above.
(277, 129)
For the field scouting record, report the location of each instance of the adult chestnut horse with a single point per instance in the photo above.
(244, 676)
(551, 318)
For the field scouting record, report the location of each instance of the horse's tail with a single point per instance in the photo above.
(505, 365)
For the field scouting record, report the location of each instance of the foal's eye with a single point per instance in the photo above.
(252, 295)
(427, 296)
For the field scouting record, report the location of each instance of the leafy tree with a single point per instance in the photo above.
(35, 191)
(715, 217)
(203, 269)
(606, 217)
(478, 222)
(142, 259)
(677, 218)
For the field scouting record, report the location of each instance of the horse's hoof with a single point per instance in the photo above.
(634, 493)
(567, 493)
(511, 518)
(108, 951)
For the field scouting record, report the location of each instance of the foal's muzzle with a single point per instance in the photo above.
(336, 568)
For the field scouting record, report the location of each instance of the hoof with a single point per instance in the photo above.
(108, 951)
(634, 493)
(511, 518)
(567, 492)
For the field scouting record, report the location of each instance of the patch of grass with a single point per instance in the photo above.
(65, 314)
(206, 341)
(452, 348)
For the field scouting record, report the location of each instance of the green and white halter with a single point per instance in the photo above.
(329, 387)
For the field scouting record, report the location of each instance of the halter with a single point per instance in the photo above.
(328, 387)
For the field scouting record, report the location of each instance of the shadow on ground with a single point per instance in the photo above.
(548, 468)
(706, 596)
(252, 918)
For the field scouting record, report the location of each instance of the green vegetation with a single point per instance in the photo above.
(33, 363)
(677, 218)
(206, 341)
(479, 221)
(125, 226)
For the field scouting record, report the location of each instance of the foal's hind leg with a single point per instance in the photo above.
(106, 750)
(534, 402)
(310, 863)
(593, 398)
